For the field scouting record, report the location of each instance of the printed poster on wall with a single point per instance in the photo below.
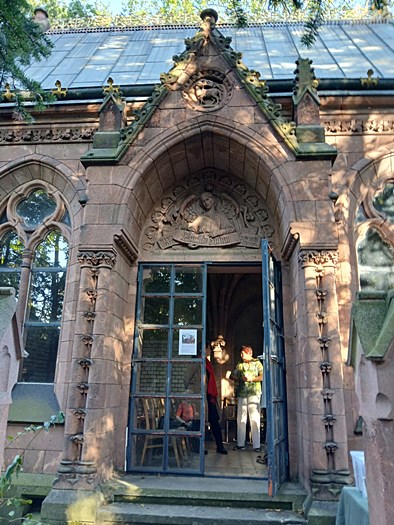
(187, 342)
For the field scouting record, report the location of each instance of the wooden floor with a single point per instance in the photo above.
(237, 463)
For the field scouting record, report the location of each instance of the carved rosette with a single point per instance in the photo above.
(208, 210)
(207, 90)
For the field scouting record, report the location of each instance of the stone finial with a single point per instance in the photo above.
(210, 14)
(209, 18)
(59, 91)
(8, 94)
(111, 87)
(41, 18)
(306, 110)
(305, 99)
(112, 118)
(369, 81)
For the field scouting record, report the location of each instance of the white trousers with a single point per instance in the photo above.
(248, 405)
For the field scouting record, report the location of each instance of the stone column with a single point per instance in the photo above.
(86, 458)
(27, 257)
(321, 366)
(81, 449)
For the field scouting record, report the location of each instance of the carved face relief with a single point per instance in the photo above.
(207, 90)
(211, 212)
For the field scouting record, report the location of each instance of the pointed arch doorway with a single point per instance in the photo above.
(180, 306)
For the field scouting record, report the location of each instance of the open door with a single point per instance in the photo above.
(168, 347)
(274, 371)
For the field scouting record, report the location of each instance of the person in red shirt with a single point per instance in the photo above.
(212, 402)
(193, 380)
(186, 413)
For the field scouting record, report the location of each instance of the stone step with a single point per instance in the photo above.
(200, 492)
(154, 514)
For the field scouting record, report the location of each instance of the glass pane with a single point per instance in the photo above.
(188, 280)
(176, 344)
(376, 262)
(140, 417)
(274, 350)
(3, 218)
(152, 343)
(36, 208)
(360, 216)
(185, 412)
(149, 451)
(150, 378)
(155, 310)
(186, 377)
(11, 249)
(52, 252)
(156, 280)
(149, 413)
(66, 219)
(46, 296)
(271, 270)
(183, 453)
(187, 311)
(272, 300)
(41, 345)
(384, 201)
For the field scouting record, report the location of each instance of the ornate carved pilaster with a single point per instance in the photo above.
(319, 269)
(79, 463)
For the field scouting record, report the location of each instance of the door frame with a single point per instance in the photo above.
(274, 483)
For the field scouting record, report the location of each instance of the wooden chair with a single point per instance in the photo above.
(153, 411)
(229, 416)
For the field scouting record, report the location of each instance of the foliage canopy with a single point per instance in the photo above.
(21, 42)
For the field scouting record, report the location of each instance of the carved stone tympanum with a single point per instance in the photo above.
(208, 211)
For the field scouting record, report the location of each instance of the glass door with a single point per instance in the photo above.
(274, 372)
(166, 427)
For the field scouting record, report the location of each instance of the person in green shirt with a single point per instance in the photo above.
(248, 375)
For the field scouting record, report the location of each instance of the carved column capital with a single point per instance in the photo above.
(318, 258)
(100, 258)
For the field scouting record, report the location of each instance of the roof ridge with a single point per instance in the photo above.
(273, 23)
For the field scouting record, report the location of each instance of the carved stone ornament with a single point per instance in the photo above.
(316, 258)
(368, 126)
(47, 135)
(207, 90)
(99, 258)
(208, 211)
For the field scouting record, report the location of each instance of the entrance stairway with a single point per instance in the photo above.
(172, 500)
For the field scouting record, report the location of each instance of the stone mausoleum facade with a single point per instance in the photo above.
(243, 196)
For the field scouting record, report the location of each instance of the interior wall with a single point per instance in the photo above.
(234, 310)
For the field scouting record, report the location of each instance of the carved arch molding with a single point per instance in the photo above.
(208, 210)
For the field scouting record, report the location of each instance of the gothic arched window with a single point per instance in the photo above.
(375, 249)
(34, 228)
